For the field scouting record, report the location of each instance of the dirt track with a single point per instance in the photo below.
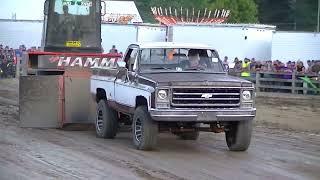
(57, 154)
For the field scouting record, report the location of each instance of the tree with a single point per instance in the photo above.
(242, 11)
(279, 13)
(306, 15)
(289, 14)
(144, 10)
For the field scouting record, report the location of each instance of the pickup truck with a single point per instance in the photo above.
(172, 87)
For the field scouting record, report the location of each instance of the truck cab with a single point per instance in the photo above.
(172, 87)
(72, 26)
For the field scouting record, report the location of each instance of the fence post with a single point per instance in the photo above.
(18, 67)
(24, 64)
(305, 85)
(293, 90)
(258, 81)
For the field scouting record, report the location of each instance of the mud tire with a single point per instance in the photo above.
(238, 135)
(106, 121)
(144, 130)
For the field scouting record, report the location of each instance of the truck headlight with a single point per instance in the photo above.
(246, 96)
(163, 95)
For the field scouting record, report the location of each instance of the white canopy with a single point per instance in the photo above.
(121, 12)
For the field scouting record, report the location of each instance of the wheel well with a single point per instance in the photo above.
(101, 94)
(141, 101)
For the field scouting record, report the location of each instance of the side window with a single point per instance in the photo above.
(131, 58)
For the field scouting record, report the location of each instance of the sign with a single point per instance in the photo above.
(80, 62)
(118, 18)
(73, 44)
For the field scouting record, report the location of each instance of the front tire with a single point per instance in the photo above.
(106, 121)
(144, 130)
(238, 135)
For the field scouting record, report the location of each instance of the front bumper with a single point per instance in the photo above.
(201, 115)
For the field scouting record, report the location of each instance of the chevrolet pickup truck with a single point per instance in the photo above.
(172, 87)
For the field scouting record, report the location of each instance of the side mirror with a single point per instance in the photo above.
(46, 8)
(103, 8)
(214, 60)
(121, 64)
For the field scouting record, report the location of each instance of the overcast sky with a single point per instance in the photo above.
(25, 9)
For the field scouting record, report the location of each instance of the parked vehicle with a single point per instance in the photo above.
(177, 87)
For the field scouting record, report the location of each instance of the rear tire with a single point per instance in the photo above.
(106, 121)
(144, 130)
(238, 136)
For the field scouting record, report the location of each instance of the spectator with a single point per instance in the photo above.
(3, 65)
(113, 49)
(237, 65)
(316, 67)
(258, 67)
(290, 66)
(275, 66)
(225, 63)
(245, 68)
(269, 66)
(310, 64)
(294, 65)
(253, 64)
(1, 56)
(300, 67)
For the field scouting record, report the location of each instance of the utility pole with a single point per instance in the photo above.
(318, 16)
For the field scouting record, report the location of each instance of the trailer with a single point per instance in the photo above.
(232, 40)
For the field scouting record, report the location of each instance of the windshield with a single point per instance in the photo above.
(74, 23)
(204, 60)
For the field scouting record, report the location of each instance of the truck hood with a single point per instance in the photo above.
(192, 79)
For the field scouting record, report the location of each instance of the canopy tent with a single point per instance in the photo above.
(124, 12)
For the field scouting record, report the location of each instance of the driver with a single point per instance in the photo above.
(194, 60)
(66, 17)
(67, 25)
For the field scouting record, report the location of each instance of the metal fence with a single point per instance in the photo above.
(294, 83)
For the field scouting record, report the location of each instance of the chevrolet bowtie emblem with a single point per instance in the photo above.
(207, 96)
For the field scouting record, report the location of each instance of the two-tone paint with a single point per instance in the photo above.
(125, 88)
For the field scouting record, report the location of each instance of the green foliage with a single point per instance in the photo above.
(285, 14)
(144, 10)
(279, 13)
(306, 15)
(242, 11)
(298, 15)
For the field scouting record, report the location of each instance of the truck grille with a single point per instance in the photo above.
(205, 97)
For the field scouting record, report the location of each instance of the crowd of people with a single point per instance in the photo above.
(7, 61)
(248, 67)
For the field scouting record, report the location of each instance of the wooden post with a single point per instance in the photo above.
(293, 90)
(18, 67)
(258, 81)
(305, 85)
(24, 64)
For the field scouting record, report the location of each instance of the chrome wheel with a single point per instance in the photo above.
(99, 123)
(138, 129)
